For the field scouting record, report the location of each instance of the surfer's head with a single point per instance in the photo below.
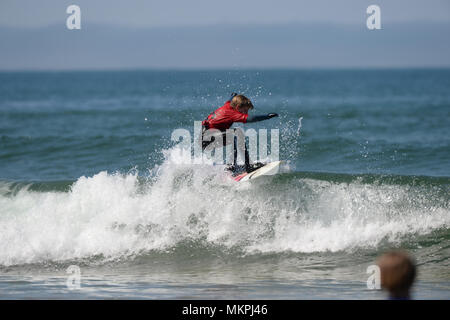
(241, 103)
(398, 272)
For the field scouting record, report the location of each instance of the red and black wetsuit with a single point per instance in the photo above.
(223, 118)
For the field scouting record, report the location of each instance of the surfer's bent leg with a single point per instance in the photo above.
(212, 139)
(239, 143)
(208, 139)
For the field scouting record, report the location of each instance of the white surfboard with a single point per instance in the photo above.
(269, 169)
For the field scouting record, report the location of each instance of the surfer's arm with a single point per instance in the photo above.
(261, 117)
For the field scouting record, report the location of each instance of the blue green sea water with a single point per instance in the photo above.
(87, 179)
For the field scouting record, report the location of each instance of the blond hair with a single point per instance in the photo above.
(241, 101)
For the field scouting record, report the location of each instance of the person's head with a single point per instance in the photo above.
(241, 103)
(398, 272)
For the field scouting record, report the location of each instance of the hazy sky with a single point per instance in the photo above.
(139, 34)
(150, 13)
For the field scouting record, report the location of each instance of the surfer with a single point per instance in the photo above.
(234, 110)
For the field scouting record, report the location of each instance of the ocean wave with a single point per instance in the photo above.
(114, 215)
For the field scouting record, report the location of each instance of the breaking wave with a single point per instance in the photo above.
(117, 215)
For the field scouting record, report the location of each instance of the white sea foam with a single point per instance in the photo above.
(115, 215)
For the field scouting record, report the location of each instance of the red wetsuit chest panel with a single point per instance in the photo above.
(223, 118)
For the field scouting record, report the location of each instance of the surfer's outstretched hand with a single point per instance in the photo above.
(262, 117)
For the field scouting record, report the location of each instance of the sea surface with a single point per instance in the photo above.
(89, 178)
